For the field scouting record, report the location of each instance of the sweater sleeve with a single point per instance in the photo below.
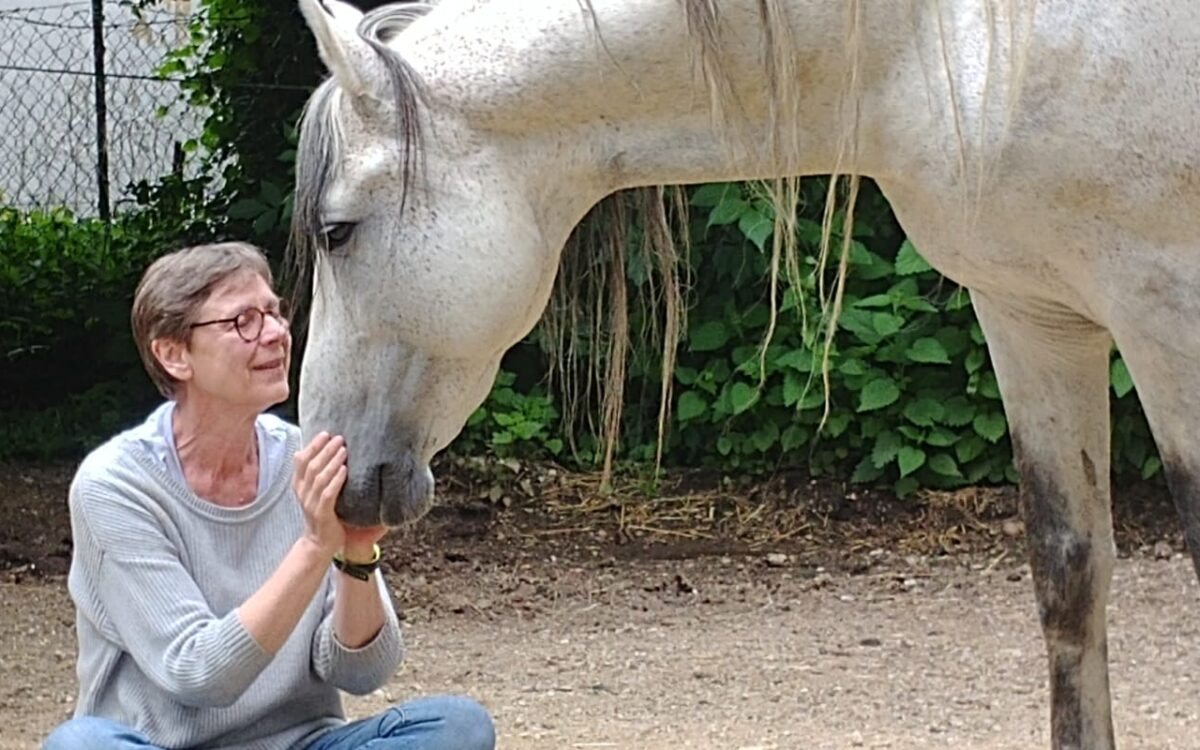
(155, 606)
(358, 671)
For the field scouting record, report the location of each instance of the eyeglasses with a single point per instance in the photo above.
(249, 322)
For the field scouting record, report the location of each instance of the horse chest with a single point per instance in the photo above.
(1016, 248)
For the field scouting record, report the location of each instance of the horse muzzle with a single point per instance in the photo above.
(391, 493)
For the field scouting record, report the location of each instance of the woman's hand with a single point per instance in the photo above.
(318, 480)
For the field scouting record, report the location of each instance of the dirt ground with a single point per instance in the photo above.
(699, 614)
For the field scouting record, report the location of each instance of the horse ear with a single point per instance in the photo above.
(350, 59)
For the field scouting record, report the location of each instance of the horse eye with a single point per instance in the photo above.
(337, 234)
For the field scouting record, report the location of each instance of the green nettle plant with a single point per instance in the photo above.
(912, 399)
(69, 372)
(512, 424)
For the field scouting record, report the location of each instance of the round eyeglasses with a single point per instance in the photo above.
(249, 322)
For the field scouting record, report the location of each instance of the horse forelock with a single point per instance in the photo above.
(321, 146)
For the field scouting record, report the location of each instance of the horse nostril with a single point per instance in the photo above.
(376, 479)
(406, 490)
(363, 494)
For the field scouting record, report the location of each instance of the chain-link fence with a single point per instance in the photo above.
(79, 100)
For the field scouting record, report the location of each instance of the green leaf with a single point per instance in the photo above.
(940, 437)
(866, 471)
(271, 193)
(988, 387)
(743, 397)
(709, 337)
(876, 300)
(886, 324)
(877, 394)
(887, 446)
(247, 208)
(793, 437)
(924, 411)
(910, 459)
(868, 265)
(905, 486)
(793, 388)
(1118, 373)
(960, 300)
(728, 211)
(977, 333)
(686, 375)
(909, 261)
(975, 360)
(917, 303)
(724, 445)
(928, 351)
(797, 359)
(954, 340)
(957, 411)
(990, 425)
(764, 437)
(852, 367)
(265, 223)
(712, 194)
(969, 448)
(813, 397)
(860, 323)
(691, 405)
(837, 424)
(756, 227)
(944, 465)
(1152, 466)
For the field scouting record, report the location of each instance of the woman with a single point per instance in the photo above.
(220, 602)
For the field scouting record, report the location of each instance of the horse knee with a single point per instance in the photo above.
(1071, 571)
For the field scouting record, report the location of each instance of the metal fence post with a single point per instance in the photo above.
(101, 109)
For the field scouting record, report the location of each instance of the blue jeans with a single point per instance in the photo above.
(444, 722)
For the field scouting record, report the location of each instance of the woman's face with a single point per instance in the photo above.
(226, 368)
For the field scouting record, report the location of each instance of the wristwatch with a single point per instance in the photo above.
(361, 571)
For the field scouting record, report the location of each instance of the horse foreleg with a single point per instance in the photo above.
(1052, 368)
(1161, 353)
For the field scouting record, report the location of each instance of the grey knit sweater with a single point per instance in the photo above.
(156, 577)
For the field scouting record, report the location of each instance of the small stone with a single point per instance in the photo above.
(1162, 550)
(777, 560)
(1012, 528)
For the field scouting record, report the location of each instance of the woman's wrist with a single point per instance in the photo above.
(359, 553)
(314, 549)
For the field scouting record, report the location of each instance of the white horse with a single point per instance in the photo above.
(1045, 155)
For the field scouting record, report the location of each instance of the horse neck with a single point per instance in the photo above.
(626, 97)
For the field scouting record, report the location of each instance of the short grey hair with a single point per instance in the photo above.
(178, 284)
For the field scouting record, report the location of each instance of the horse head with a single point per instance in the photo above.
(427, 262)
